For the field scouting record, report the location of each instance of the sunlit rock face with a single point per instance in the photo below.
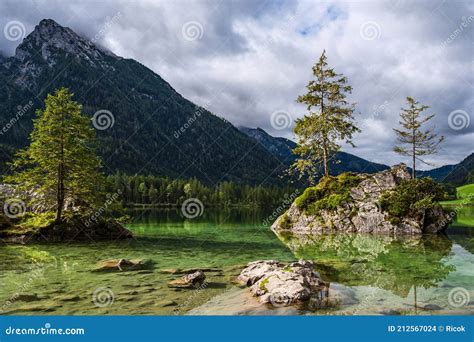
(362, 212)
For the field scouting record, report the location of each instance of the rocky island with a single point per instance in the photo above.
(388, 202)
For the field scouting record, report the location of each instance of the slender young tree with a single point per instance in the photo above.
(415, 142)
(59, 165)
(329, 120)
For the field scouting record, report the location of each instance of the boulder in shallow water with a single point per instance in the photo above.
(119, 265)
(189, 280)
(279, 284)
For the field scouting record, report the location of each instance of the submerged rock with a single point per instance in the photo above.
(279, 284)
(119, 265)
(352, 203)
(189, 280)
(29, 297)
(189, 270)
(82, 228)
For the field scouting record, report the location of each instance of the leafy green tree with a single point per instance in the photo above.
(143, 192)
(153, 194)
(329, 120)
(60, 164)
(414, 141)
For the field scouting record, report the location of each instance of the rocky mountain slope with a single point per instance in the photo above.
(145, 126)
(282, 149)
(462, 173)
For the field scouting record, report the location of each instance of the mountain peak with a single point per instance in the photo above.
(49, 23)
(49, 36)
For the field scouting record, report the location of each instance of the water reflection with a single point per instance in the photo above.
(393, 264)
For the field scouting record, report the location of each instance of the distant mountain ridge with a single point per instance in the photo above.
(462, 173)
(282, 149)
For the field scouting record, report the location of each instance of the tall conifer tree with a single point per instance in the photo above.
(60, 164)
(329, 120)
(415, 142)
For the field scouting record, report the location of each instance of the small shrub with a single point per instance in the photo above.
(263, 285)
(410, 196)
(329, 194)
(285, 222)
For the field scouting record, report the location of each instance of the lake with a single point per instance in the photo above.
(367, 274)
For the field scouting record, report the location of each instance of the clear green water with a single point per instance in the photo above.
(376, 274)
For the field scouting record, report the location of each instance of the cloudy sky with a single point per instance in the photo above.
(248, 60)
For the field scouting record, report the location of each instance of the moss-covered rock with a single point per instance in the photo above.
(384, 202)
(76, 228)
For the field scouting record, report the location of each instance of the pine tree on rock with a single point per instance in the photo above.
(60, 164)
(414, 142)
(329, 120)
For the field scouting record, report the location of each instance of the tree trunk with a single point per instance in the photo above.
(325, 160)
(325, 144)
(60, 193)
(60, 187)
(413, 175)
